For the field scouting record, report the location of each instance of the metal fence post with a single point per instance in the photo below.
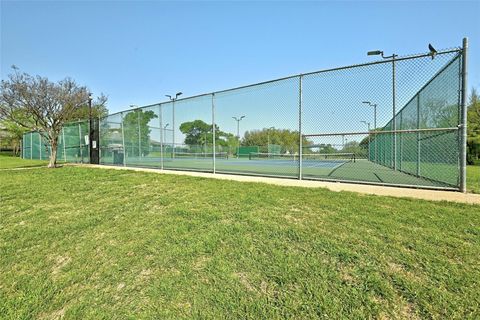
(213, 133)
(173, 129)
(99, 144)
(80, 142)
(64, 145)
(300, 142)
(418, 135)
(139, 135)
(31, 145)
(123, 142)
(463, 123)
(394, 124)
(375, 129)
(40, 147)
(161, 135)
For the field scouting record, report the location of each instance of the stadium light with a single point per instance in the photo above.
(173, 99)
(375, 53)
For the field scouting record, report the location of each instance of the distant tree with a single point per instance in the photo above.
(196, 132)
(137, 132)
(473, 128)
(200, 133)
(99, 109)
(47, 105)
(356, 148)
(12, 133)
(287, 139)
(326, 148)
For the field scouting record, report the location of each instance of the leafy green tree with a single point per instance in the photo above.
(326, 148)
(356, 148)
(473, 128)
(38, 104)
(137, 132)
(99, 109)
(13, 133)
(287, 139)
(199, 133)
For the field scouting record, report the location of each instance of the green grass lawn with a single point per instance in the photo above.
(7, 161)
(93, 243)
(473, 178)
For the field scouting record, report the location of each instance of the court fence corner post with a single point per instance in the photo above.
(213, 134)
(463, 120)
(160, 117)
(123, 141)
(31, 145)
(300, 135)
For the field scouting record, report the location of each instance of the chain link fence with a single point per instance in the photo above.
(72, 144)
(397, 121)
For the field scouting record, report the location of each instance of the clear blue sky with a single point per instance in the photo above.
(138, 51)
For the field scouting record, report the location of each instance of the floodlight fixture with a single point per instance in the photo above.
(375, 53)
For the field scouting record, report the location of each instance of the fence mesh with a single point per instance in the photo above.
(394, 121)
(72, 144)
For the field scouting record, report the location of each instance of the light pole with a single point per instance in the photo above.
(164, 132)
(394, 125)
(368, 126)
(238, 132)
(173, 99)
(374, 105)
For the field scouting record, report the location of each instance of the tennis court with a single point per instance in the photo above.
(347, 168)
(398, 121)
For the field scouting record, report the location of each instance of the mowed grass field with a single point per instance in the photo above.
(112, 244)
(473, 178)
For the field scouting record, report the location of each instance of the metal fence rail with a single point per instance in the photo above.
(402, 119)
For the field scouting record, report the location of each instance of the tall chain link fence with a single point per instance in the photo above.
(396, 121)
(72, 144)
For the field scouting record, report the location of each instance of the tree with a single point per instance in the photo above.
(287, 139)
(196, 132)
(137, 132)
(355, 148)
(47, 105)
(99, 109)
(13, 133)
(326, 148)
(200, 133)
(473, 128)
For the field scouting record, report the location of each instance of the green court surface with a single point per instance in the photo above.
(359, 170)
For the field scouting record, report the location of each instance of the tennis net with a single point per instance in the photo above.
(324, 157)
(199, 155)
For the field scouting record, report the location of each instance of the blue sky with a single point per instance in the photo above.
(136, 52)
